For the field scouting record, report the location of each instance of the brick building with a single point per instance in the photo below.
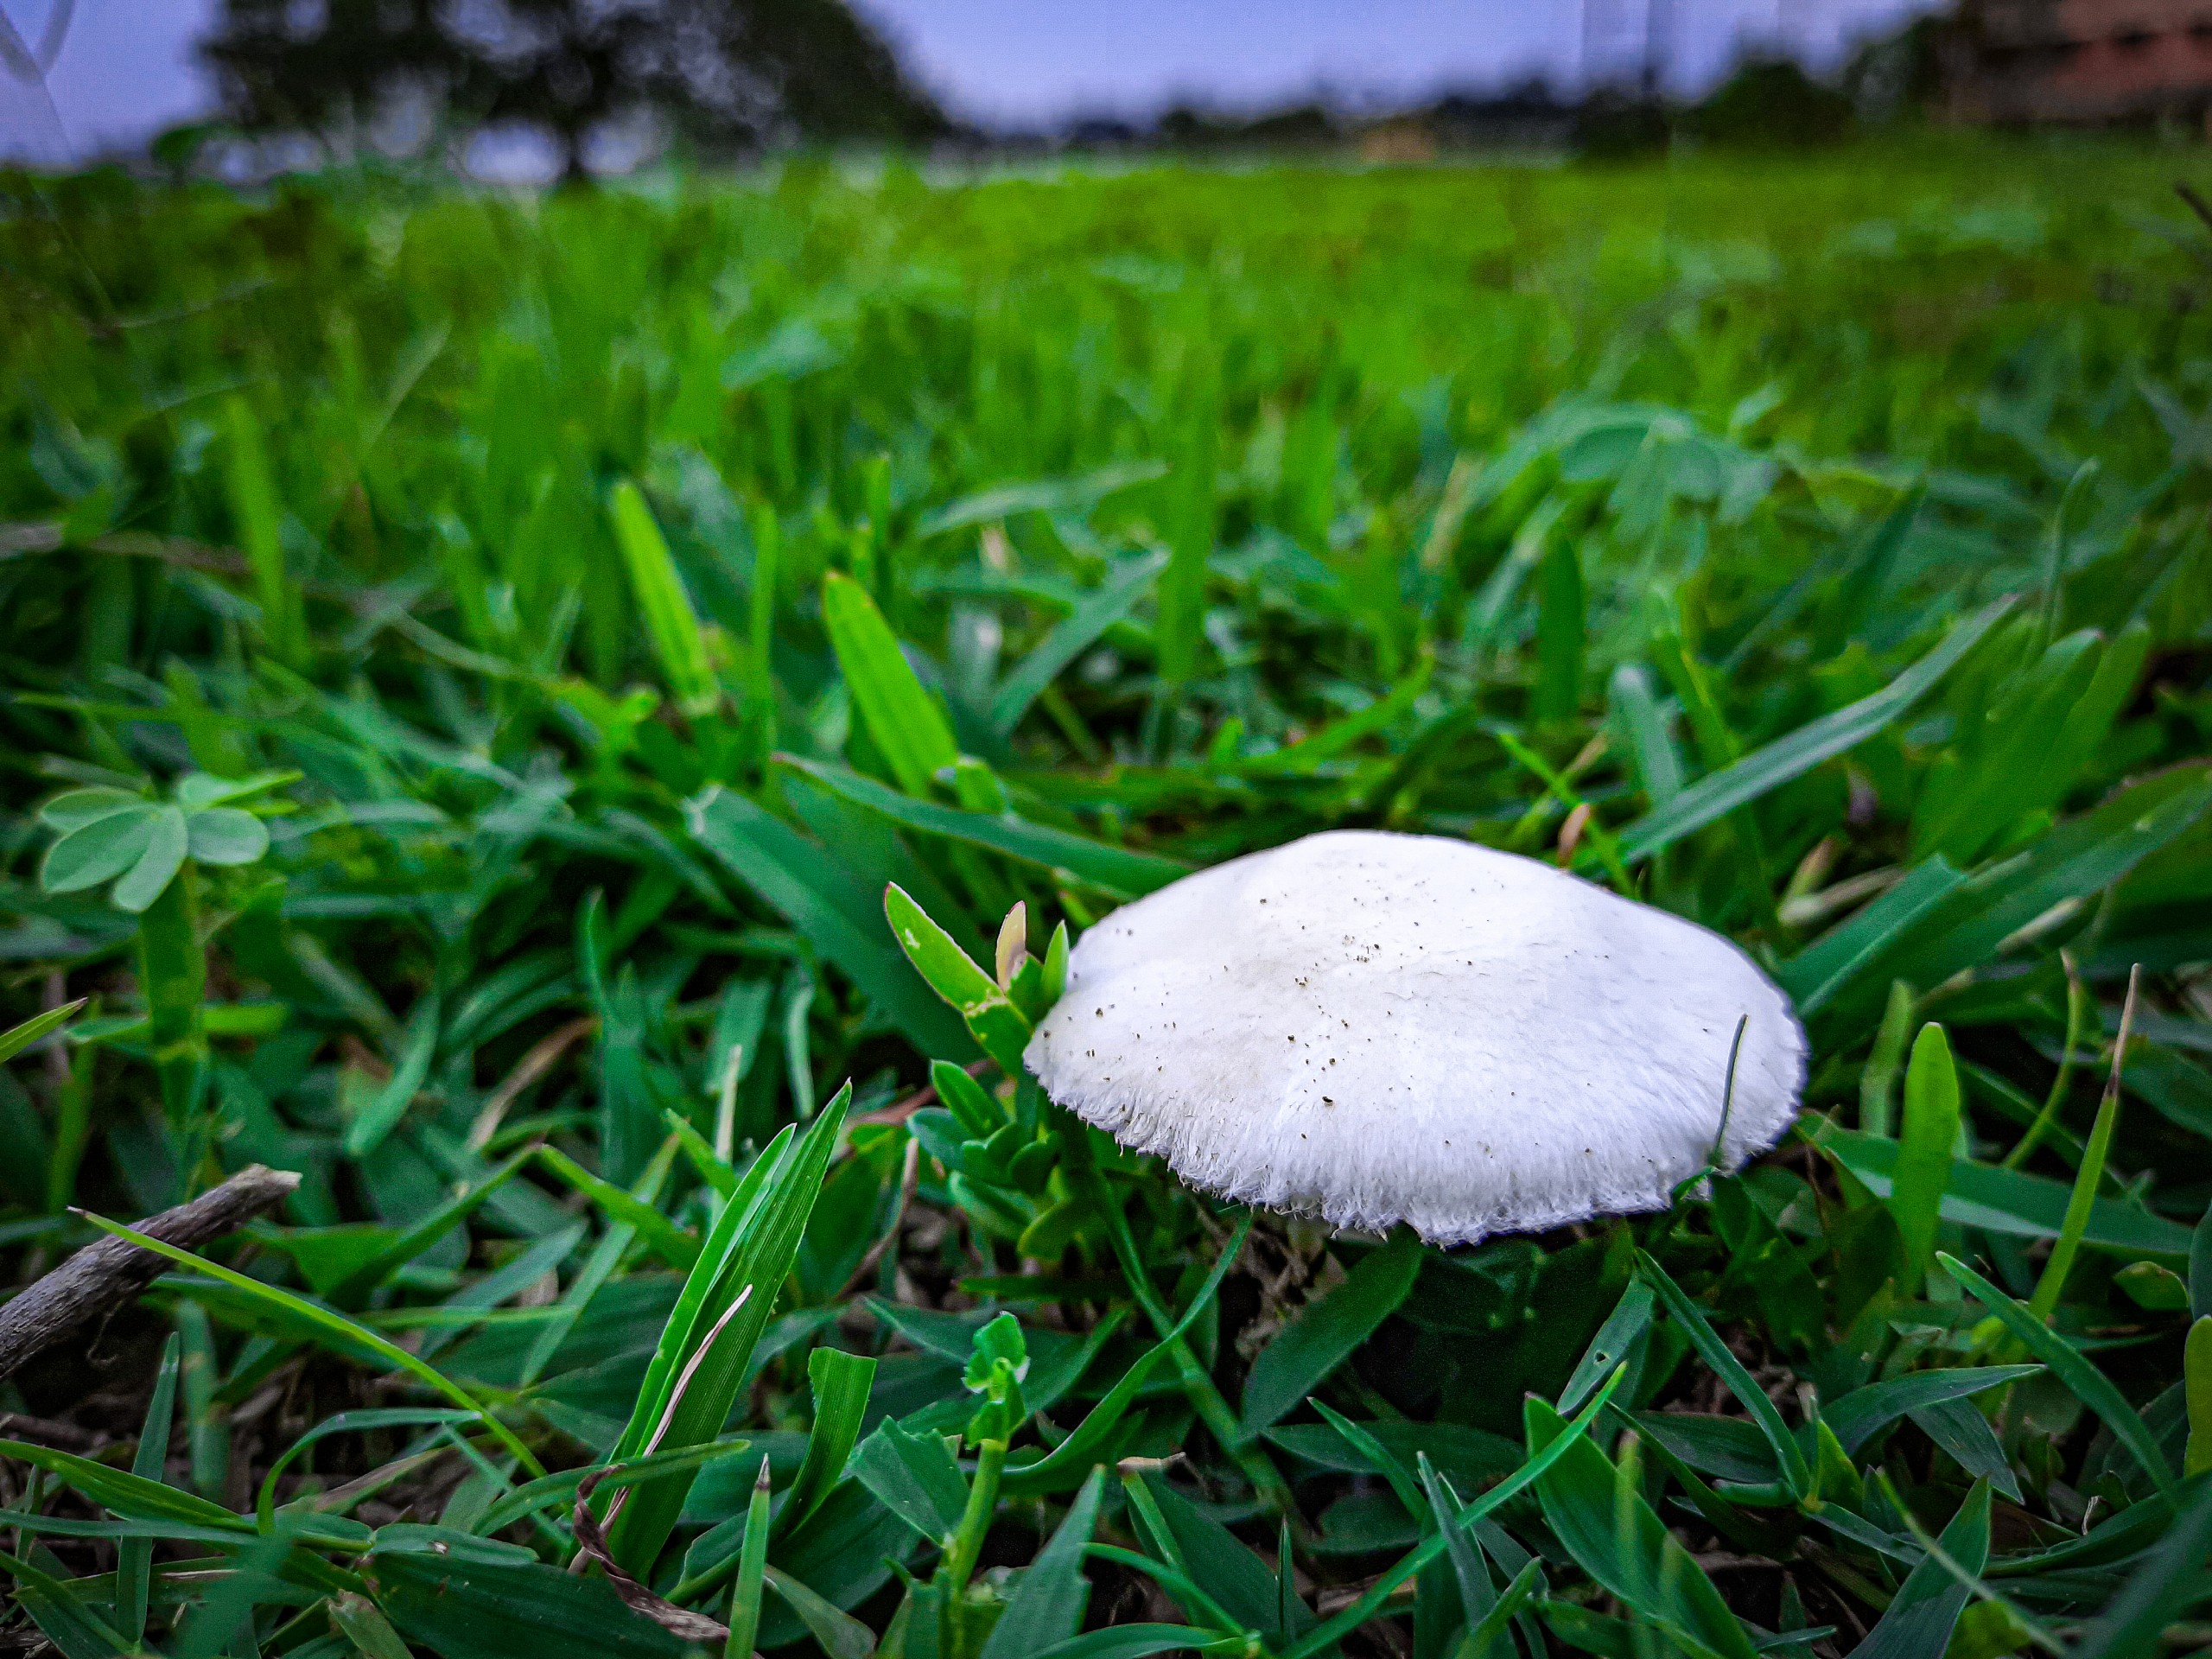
(2083, 61)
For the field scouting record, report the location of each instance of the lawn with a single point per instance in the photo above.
(473, 665)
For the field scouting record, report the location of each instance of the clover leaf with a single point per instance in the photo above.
(113, 834)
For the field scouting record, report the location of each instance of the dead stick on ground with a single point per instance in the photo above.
(111, 1271)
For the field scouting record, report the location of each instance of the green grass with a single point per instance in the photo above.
(596, 603)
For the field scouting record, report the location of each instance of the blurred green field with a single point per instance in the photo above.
(473, 663)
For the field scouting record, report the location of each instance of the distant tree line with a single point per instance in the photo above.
(720, 78)
(1765, 103)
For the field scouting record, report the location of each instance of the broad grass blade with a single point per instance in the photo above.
(1864, 1413)
(802, 881)
(1325, 1333)
(1924, 1164)
(2160, 1591)
(1717, 1354)
(1630, 1319)
(2088, 1384)
(1047, 1606)
(902, 717)
(672, 626)
(757, 1253)
(134, 1558)
(1618, 1539)
(2006, 1201)
(464, 1609)
(914, 1476)
(1920, 1620)
(841, 1383)
(1117, 869)
(1228, 1570)
(1767, 769)
(840, 1635)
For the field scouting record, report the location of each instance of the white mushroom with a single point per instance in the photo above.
(1381, 1027)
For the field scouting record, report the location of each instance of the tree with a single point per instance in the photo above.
(721, 73)
(1772, 103)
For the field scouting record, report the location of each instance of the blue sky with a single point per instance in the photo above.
(127, 69)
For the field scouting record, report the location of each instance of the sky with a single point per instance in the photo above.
(126, 69)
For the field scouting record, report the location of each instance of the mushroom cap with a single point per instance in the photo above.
(1381, 1027)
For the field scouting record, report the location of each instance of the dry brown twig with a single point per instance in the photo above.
(112, 1271)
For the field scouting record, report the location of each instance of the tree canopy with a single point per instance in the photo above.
(721, 74)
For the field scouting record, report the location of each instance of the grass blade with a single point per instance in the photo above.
(1615, 1536)
(1923, 1165)
(841, 1383)
(73, 1628)
(2002, 1200)
(1740, 1382)
(1920, 1620)
(1630, 1319)
(1117, 869)
(1824, 970)
(672, 626)
(1334, 1630)
(1324, 1333)
(259, 521)
(383, 1113)
(1482, 1640)
(2196, 1385)
(1047, 495)
(1877, 1103)
(759, 1255)
(2088, 1384)
(902, 717)
(1190, 513)
(2159, 1592)
(1478, 1595)
(19, 1037)
(1862, 1413)
(751, 1560)
(1767, 769)
(1047, 1606)
(1070, 637)
(914, 1476)
(2091, 1175)
(1073, 1454)
(674, 1246)
(134, 1558)
(803, 882)
(336, 1323)
(1560, 634)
